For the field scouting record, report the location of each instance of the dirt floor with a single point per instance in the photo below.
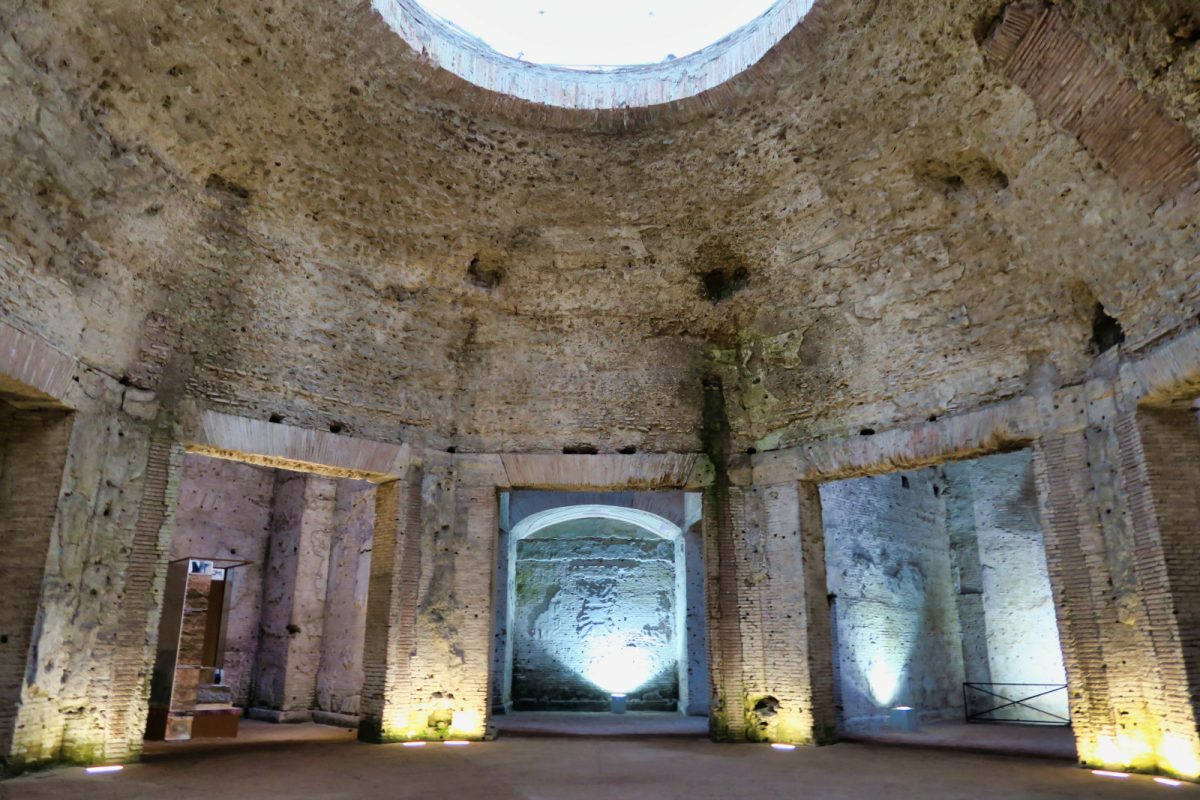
(290, 762)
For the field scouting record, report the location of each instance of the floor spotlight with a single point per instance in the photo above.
(103, 770)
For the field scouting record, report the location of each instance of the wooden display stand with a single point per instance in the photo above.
(187, 698)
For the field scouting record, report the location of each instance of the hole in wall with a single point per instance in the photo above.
(1107, 332)
(336, 427)
(960, 174)
(986, 25)
(580, 450)
(867, 432)
(222, 185)
(751, 451)
(1186, 30)
(451, 449)
(721, 284)
(275, 418)
(484, 273)
(723, 271)
(627, 450)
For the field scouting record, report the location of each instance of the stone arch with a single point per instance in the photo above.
(649, 521)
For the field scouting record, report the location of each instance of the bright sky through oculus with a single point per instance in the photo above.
(586, 35)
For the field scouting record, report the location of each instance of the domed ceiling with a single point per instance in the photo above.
(282, 209)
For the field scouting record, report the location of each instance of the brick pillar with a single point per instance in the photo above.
(790, 666)
(428, 648)
(294, 586)
(33, 453)
(769, 617)
(724, 518)
(141, 602)
(475, 573)
(1160, 465)
(1080, 578)
(391, 612)
(1113, 512)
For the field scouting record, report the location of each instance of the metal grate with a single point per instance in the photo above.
(1013, 702)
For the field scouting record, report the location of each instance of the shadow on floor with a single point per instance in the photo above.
(1039, 741)
(631, 725)
(252, 733)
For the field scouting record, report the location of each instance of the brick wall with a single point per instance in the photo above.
(391, 612)
(32, 455)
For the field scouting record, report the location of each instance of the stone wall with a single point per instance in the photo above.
(1018, 624)
(888, 564)
(595, 614)
(940, 577)
(340, 677)
(225, 512)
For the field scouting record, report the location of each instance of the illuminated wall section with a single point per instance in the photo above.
(595, 615)
(888, 566)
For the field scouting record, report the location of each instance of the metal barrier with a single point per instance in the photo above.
(990, 694)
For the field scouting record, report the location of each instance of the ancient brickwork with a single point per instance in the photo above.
(595, 614)
(391, 612)
(33, 450)
(1072, 85)
(145, 577)
(1160, 461)
(724, 527)
(1005, 600)
(794, 662)
(1091, 577)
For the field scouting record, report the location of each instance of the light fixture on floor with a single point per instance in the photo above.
(412, 744)
(1108, 773)
(618, 704)
(455, 743)
(1174, 784)
(104, 769)
(782, 746)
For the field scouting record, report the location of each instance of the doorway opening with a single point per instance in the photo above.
(600, 621)
(265, 607)
(941, 609)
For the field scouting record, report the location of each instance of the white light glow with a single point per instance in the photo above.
(588, 35)
(104, 769)
(616, 664)
(884, 678)
(1105, 773)
(1169, 782)
(782, 746)
(455, 743)
(414, 744)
